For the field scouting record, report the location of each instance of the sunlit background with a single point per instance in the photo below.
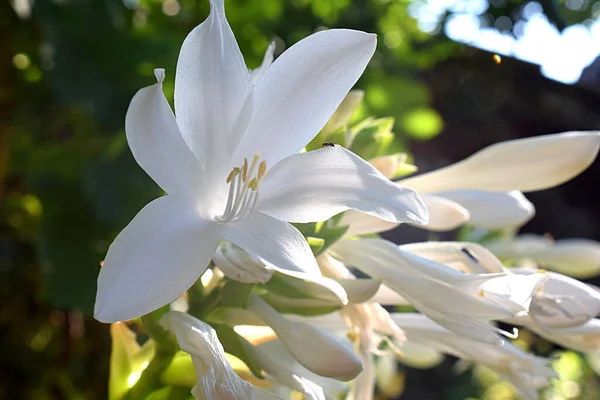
(455, 76)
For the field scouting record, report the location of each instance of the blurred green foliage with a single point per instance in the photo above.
(68, 183)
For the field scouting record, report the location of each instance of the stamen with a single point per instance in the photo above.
(234, 172)
(243, 189)
(245, 170)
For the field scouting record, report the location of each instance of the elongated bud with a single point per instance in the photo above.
(344, 112)
(317, 350)
(393, 165)
(238, 265)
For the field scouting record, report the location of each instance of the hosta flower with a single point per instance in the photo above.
(563, 302)
(526, 372)
(463, 303)
(484, 188)
(216, 378)
(367, 325)
(228, 161)
(527, 165)
(315, 349)
(579, 258)
(584, 338)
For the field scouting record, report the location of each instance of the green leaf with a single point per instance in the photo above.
(235, 294)
(237, 345)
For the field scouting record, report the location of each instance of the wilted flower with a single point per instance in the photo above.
(230, 141)
(216, 378)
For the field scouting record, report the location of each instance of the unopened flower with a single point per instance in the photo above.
(527, 165)
(367, 325)
(216, 378)
(563, 302)
(238, 265)
(579, 258)
(278, 363)
(317, 350)
(464, 303)
(526, 372)
(229, 163)
(493, 210)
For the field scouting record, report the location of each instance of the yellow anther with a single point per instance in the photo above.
(245, 170)
(541, 271)
(262, 169)
(480, 293)
(253, 184)
(234, 172)
(352, 336)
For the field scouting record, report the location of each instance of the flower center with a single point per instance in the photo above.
(243, 190)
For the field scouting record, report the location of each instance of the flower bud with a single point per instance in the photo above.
(317, 350)
(345, 110)
(238, 265)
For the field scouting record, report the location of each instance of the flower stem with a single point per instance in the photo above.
(165, 351)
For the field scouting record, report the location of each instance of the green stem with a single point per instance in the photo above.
(165, 351)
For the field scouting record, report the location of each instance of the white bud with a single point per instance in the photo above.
(238, 265)
(317, 350)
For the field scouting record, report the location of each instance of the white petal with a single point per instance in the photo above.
(388, 297)
(461, 256)
(527, 165)
(156, 258)
(216, 378)
(563, 302)
(316, 349)
(579, 258)
(361, 224)
(493, 210)
(281, 247)
(444, 214)
(316, 185)
(156, 143)
(302, 89)
(211, 87)
(266, 63)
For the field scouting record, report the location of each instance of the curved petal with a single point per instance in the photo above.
(158, 256)
(444, 214)
(527, 165)
(493, 210)
(316, 185)
(156, 143)
(281, 247)
(467, 257)
(301, 90)
(211, 88)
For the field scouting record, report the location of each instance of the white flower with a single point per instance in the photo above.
(563, 302)
(238, 265)
(216, 378)
(279, 364)
(315, 349)
(367, 325)
(579, 258)
(526, 372)
(463, 303)
(584, 338)
(527, 165)
(493, 210)
(230, 166)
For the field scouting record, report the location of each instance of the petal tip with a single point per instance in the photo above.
(159, 73)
